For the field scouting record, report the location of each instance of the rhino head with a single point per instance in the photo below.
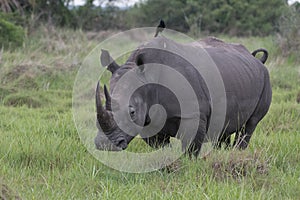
(110, 136)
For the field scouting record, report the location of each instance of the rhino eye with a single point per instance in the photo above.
(131, 111)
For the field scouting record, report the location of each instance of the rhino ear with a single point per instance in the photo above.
(107, 60)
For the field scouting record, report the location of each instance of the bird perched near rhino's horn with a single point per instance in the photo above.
(160, 27)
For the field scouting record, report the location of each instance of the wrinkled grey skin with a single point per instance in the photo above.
(247, 87)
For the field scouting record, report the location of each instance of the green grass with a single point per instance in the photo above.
(42, 157)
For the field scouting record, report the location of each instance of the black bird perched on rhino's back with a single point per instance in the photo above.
(160, 27)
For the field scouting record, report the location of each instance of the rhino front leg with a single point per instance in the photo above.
(192, 137)
(158, 140)
(195, 147)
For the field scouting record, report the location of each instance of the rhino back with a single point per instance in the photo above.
(243, 75)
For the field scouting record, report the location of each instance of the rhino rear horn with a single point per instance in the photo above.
(107, 60)
(108, 99)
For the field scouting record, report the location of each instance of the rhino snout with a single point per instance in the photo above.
(103, 143)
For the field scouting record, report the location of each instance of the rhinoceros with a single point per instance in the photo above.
(247, 92)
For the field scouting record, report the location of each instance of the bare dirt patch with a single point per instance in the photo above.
(239, 164)
(7, 193)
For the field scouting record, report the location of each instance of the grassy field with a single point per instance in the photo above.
(42, 157)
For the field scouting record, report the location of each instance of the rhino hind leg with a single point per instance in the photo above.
(260, 111)
(243, 137)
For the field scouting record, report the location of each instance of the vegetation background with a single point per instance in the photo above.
(42, 46)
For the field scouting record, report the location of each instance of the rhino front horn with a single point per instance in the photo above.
(104, 117)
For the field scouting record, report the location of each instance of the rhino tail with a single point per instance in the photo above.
(264, 58)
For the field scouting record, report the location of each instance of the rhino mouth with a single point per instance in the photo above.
(108, 147)
(104, 143)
